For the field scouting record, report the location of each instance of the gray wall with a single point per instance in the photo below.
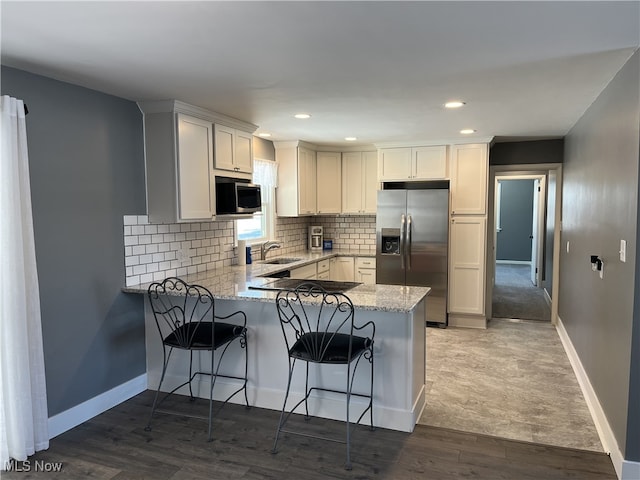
(600, 207)
(547, 273)
(263, 149)
(530, 152)
(87, 171)
(516, 220)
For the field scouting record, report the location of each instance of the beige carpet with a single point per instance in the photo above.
(512, 380)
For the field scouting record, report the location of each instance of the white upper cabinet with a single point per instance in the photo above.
(469, 176)
(195, 156)
(178, 162)
(429, 163)
(413, 163)
(329, 182)
(179, 146)
(359, 182)
(233, 150)
(296, 191)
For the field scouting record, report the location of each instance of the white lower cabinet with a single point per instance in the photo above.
(341, 269)
(323, 269)
(365, 268)
(308, 272)
(467, 265)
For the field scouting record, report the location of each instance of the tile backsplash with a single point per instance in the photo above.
(155, 251)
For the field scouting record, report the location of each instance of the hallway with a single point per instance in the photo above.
(512, 380)
(515, 296)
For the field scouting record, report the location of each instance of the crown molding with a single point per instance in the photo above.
(441, 141)
(176, 106)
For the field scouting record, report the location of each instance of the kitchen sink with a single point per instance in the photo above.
(281, 261)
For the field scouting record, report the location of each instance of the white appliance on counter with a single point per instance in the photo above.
(315, 238)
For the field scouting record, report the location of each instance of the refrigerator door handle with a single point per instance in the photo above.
(402, 239)
(409, 225)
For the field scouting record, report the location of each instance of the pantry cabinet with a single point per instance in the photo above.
(359, 182)
(328, 182)
(412, 163)
(467, 264)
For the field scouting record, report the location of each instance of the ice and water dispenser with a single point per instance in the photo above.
(390, 241)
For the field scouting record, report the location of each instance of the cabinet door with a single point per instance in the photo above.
(429, 163)
(467, 265)
(352, 182)
(366, 276)
(469, 174)
(308, 272)
(341, 269)
(329, 182)
(306, 182)
(195, 156)
(394, 164)
(243, 152)
(370, 186)
(224, 148)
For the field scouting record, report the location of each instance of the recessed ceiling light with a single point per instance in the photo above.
(454, 104)
(302, 115)
(467, 131)
(350, 139)
(264, 135)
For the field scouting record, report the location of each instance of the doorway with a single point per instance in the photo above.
(521, 259)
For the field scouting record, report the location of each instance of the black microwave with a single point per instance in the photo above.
(236, 197)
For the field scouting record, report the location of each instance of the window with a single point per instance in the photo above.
(261, 227)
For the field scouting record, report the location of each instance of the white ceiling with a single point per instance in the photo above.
(379, 71)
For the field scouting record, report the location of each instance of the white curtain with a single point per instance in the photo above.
(23, 395)
(265, 172)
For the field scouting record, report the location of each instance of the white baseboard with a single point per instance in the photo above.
(607, 438)
(547, 297)
(74, 416)
(322, 404)
(630, 470)
(514, 262)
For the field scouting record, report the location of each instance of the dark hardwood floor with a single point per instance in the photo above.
(114, 445)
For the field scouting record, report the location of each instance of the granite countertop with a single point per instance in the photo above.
(232, 283)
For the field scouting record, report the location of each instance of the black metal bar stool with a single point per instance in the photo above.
(319, 327)
(186, 320)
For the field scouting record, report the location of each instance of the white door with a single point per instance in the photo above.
(537, 242)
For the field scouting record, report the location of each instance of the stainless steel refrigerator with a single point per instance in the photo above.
(412, 237)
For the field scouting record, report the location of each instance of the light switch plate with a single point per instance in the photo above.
(623, 250)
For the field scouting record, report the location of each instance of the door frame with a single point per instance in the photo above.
(538, 224)
(514, 171)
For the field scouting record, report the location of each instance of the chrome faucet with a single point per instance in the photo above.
(266, 246)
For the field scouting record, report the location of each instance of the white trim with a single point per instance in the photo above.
(321, 404)
(607, 437)
(74, 416)
(514, 262)
(547, 297)
(630, 470)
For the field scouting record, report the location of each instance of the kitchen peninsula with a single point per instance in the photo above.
(399, 373)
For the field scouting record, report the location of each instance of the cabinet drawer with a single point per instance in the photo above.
(365, 262)
(323, 265)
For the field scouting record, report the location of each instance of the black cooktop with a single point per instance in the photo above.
(291, 283)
